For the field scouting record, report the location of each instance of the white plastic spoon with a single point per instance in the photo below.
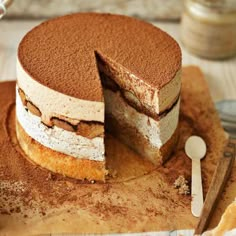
(195, 148)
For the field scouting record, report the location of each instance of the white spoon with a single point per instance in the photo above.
(195, 148)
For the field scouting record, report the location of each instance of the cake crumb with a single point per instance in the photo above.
(184, 190)
(49, 177)
(182, 185)
(112, 173)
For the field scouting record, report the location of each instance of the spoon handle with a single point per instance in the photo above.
(197, 195)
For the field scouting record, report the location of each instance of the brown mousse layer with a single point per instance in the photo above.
(88, 129)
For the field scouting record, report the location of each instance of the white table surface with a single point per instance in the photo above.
(221, 75)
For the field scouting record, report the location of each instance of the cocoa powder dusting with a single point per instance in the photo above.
(60, 53)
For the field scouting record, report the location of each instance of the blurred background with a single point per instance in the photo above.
(145, 9)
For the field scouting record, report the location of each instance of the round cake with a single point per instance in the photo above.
(82, 74)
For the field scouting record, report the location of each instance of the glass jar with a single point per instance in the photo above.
(208, 28)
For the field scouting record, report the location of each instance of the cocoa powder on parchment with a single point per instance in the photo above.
(137, 197)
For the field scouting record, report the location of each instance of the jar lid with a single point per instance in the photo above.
(224, 5)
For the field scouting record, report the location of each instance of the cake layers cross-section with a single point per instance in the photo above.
(79, 73)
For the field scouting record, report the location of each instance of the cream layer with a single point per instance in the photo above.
(54, 104)
(59, 139)
(156, 132)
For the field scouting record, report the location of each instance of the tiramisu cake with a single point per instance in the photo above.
(80, 73)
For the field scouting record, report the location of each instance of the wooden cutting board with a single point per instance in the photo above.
(137, 196)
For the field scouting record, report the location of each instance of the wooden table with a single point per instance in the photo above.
(220, 74)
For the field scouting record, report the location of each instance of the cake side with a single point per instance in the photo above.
(74, 150)
(59, 137)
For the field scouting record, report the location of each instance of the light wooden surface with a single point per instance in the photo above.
(220, 74)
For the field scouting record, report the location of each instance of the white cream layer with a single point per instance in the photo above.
(156, 132)
(54, 104)
(59, 139)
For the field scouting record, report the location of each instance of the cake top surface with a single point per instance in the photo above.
(60, 53)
